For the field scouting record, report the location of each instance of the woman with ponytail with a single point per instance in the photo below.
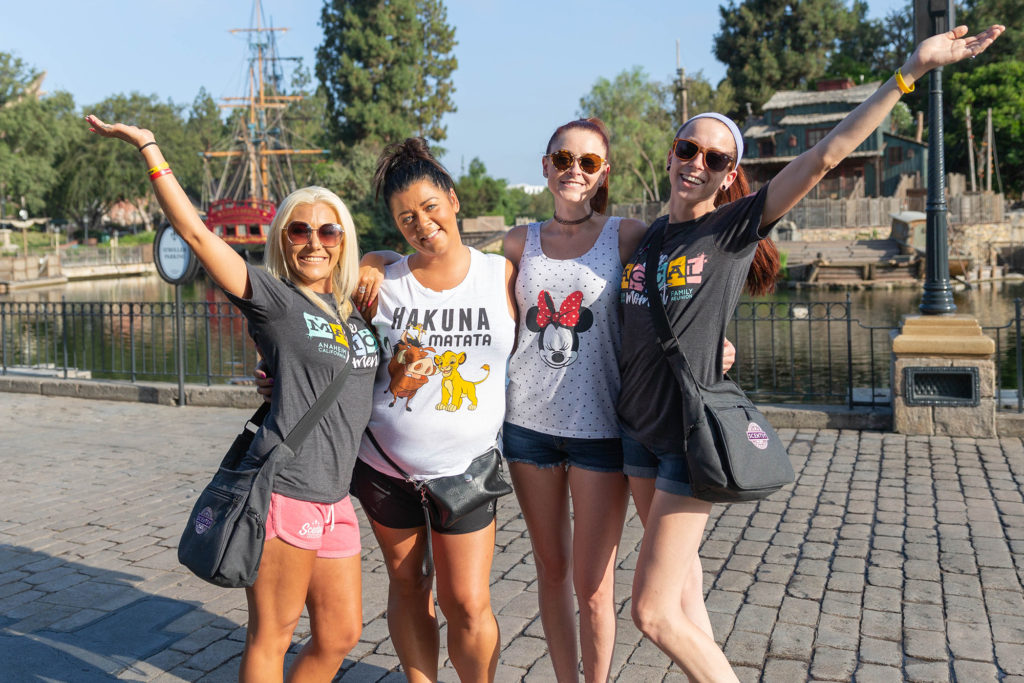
(446, 320)
(714, 242)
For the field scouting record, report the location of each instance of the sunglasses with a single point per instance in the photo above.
(686, 149)
(563, 160)
(300, 233)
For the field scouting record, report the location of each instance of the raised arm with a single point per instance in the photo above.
(222, 262)
(371, 275)
(803, 173)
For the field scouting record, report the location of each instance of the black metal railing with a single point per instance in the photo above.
(818, 352)
(126, 341)
(787, 352)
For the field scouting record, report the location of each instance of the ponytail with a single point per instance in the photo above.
(764, 269)
(403, 163)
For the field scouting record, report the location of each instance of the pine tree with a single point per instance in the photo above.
(386, 66)
(770, 45)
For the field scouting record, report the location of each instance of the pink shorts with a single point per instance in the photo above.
(331, 530)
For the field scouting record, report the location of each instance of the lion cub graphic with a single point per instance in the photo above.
(453, 386)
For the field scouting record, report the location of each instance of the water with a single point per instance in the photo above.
(797, 345)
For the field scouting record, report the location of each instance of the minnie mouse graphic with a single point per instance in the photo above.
(559, 330)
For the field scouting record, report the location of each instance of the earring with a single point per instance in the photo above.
(724, 188)
(668, 166)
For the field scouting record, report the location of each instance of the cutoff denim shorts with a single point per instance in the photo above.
(668, 469)
(546, 450)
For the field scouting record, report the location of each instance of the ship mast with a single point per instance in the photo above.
(256, 150)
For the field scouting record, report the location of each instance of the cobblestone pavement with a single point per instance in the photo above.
(892, 558)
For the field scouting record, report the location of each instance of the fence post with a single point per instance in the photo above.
(209, 346)
(1020, 359)
(179, 323)
(849, 350)
(131, 336)
(3, 337)
(64, 331)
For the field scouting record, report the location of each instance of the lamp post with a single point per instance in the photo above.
(932, 17)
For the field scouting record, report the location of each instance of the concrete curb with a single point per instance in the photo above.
(199, 395)
(782, 416)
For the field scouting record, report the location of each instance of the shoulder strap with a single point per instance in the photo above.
(316, 411)
(692, 402)
(391, 462)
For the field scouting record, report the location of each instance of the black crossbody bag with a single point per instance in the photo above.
(731, 449)
(446, 500)
(223, 539)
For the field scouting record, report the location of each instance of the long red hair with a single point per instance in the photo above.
(764, 269)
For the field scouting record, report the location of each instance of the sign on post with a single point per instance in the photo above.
(175, 262)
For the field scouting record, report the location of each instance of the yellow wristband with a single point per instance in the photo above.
(902, 84)
(158, 167)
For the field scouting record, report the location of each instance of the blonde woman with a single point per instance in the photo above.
(301, 317)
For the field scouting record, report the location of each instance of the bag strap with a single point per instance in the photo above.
(668, 341)
(427, 566)
(316, 411)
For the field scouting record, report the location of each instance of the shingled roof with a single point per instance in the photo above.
(795, 98)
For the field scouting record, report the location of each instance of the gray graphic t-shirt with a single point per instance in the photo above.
(701, 273)
(304, 350)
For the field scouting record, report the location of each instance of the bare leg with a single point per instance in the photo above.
(543, 495)
(643, 493)
(464, 594)
(411, 619)
(599, 509)
(334, 601)
(275, 605)
(667, 588)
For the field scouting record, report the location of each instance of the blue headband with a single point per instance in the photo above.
(733, 128)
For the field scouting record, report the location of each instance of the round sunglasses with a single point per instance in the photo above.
(300, 233)
(686, 149)
(563, 160)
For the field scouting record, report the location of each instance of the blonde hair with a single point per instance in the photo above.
(346, 271)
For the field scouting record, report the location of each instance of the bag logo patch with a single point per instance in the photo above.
(204, 520)
(757, 436)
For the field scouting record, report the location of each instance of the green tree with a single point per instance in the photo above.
(979, 14)
(98, 174)
(34, 132)
(770, 45)
(637, 113)
(480, 194)
(873, 49)
(995, 85)
(385, 67)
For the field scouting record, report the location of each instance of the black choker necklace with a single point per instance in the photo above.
(575, 222)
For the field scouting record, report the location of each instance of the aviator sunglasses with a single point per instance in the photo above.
(300, 233)
(686, 149)
(563, 160)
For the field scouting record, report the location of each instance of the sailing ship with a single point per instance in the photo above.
(257, 169)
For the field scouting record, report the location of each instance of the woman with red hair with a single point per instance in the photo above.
(710, 238)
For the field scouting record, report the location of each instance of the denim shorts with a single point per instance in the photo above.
(546, 450)
(668, 469)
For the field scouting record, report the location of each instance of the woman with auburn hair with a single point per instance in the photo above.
(710, 240)
(561, 433)
(311, 556)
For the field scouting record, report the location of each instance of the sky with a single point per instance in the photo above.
(523, 65)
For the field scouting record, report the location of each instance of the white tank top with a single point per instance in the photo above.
(564, 375)
(439, 396)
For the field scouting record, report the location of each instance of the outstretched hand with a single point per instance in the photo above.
(131, 134)
(952, 46)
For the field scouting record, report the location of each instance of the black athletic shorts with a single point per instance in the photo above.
(395, 503)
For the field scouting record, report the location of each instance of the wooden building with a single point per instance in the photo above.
(794, 120)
